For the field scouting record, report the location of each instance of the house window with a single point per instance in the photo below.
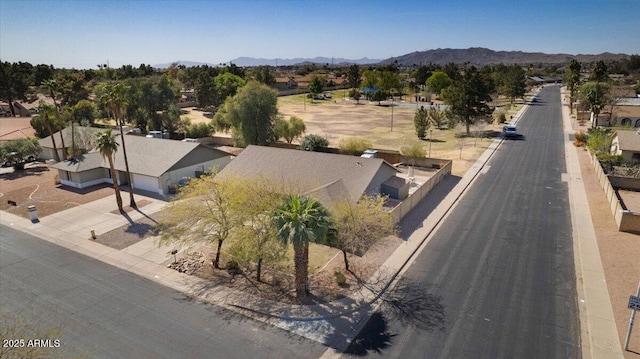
(637, 123)
(635, 157)
(626, 122)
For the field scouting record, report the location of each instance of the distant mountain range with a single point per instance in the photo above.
(478, 56)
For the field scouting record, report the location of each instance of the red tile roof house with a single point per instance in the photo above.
(156, 165)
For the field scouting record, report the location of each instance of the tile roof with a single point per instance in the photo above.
(82, 163)
(629, 140)
(325, 175)
(147, 156)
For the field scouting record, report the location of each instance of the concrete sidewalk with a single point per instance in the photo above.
(334, 324)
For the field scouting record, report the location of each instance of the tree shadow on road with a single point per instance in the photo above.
(407, 304)
(374, 337)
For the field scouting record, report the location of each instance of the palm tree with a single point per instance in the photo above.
(45, 110)
(53, 87)
(115, 99)
(301, 220)
(108, 146)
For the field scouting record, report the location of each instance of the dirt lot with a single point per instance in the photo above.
(36, 185)
(338, 118)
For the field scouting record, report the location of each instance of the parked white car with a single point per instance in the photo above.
(509, 131)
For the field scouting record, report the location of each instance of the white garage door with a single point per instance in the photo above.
(145, 183)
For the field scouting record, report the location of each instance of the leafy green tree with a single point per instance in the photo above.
(171, 121)
(438, 81)
(256, 239)
(599, 141)
(314, 143)
(413, 152)
(205, 89)
(600, 72)
(290, 130)
(84, 110)
(264, 75)
(108, 146)
(45, 121)
(371, 78)
(468, 96)
(227, 84)
(207, 209)
(359, 226)
(421, 122)
(54, 87)
(354, 77)
(353, 145)
(438, 118)
(315, 85)
(355, 94)
(511, 81)
(572, 79)
(14, 82)
(422, 75)
(302, 220)
(251, 113)
(389, 82)
(594, 96)
(116, 101)
(198, 130)
(42, 72)
(17, 151)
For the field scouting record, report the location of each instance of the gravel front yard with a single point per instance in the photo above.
(36, 185)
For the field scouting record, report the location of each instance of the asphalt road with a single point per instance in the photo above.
(497, 280)
(105, 312)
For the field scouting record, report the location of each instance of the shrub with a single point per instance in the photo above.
(314, 143)
(502, 118)
(614, 160)
(232, 266)
(341, 280)
(353, 145)
(598, 141)
(580, 139)
(198, 130)
(581, 136)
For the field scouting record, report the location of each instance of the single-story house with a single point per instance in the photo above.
(326, 176)
(626, 112)
(285, 83)
(156, 165)
(84, 138)
(627, 144)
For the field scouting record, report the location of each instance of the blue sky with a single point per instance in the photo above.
(82, 34)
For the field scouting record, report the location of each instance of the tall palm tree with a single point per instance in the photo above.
(301, 220)
(115, 99)
(53, 86)
(45, 111)
(108, 146)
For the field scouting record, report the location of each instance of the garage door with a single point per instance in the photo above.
(145, 183)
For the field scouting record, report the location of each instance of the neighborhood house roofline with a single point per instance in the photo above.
(628, 140)
(147, 156)
(310, 172)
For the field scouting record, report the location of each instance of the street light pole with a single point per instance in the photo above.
(391, 110)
